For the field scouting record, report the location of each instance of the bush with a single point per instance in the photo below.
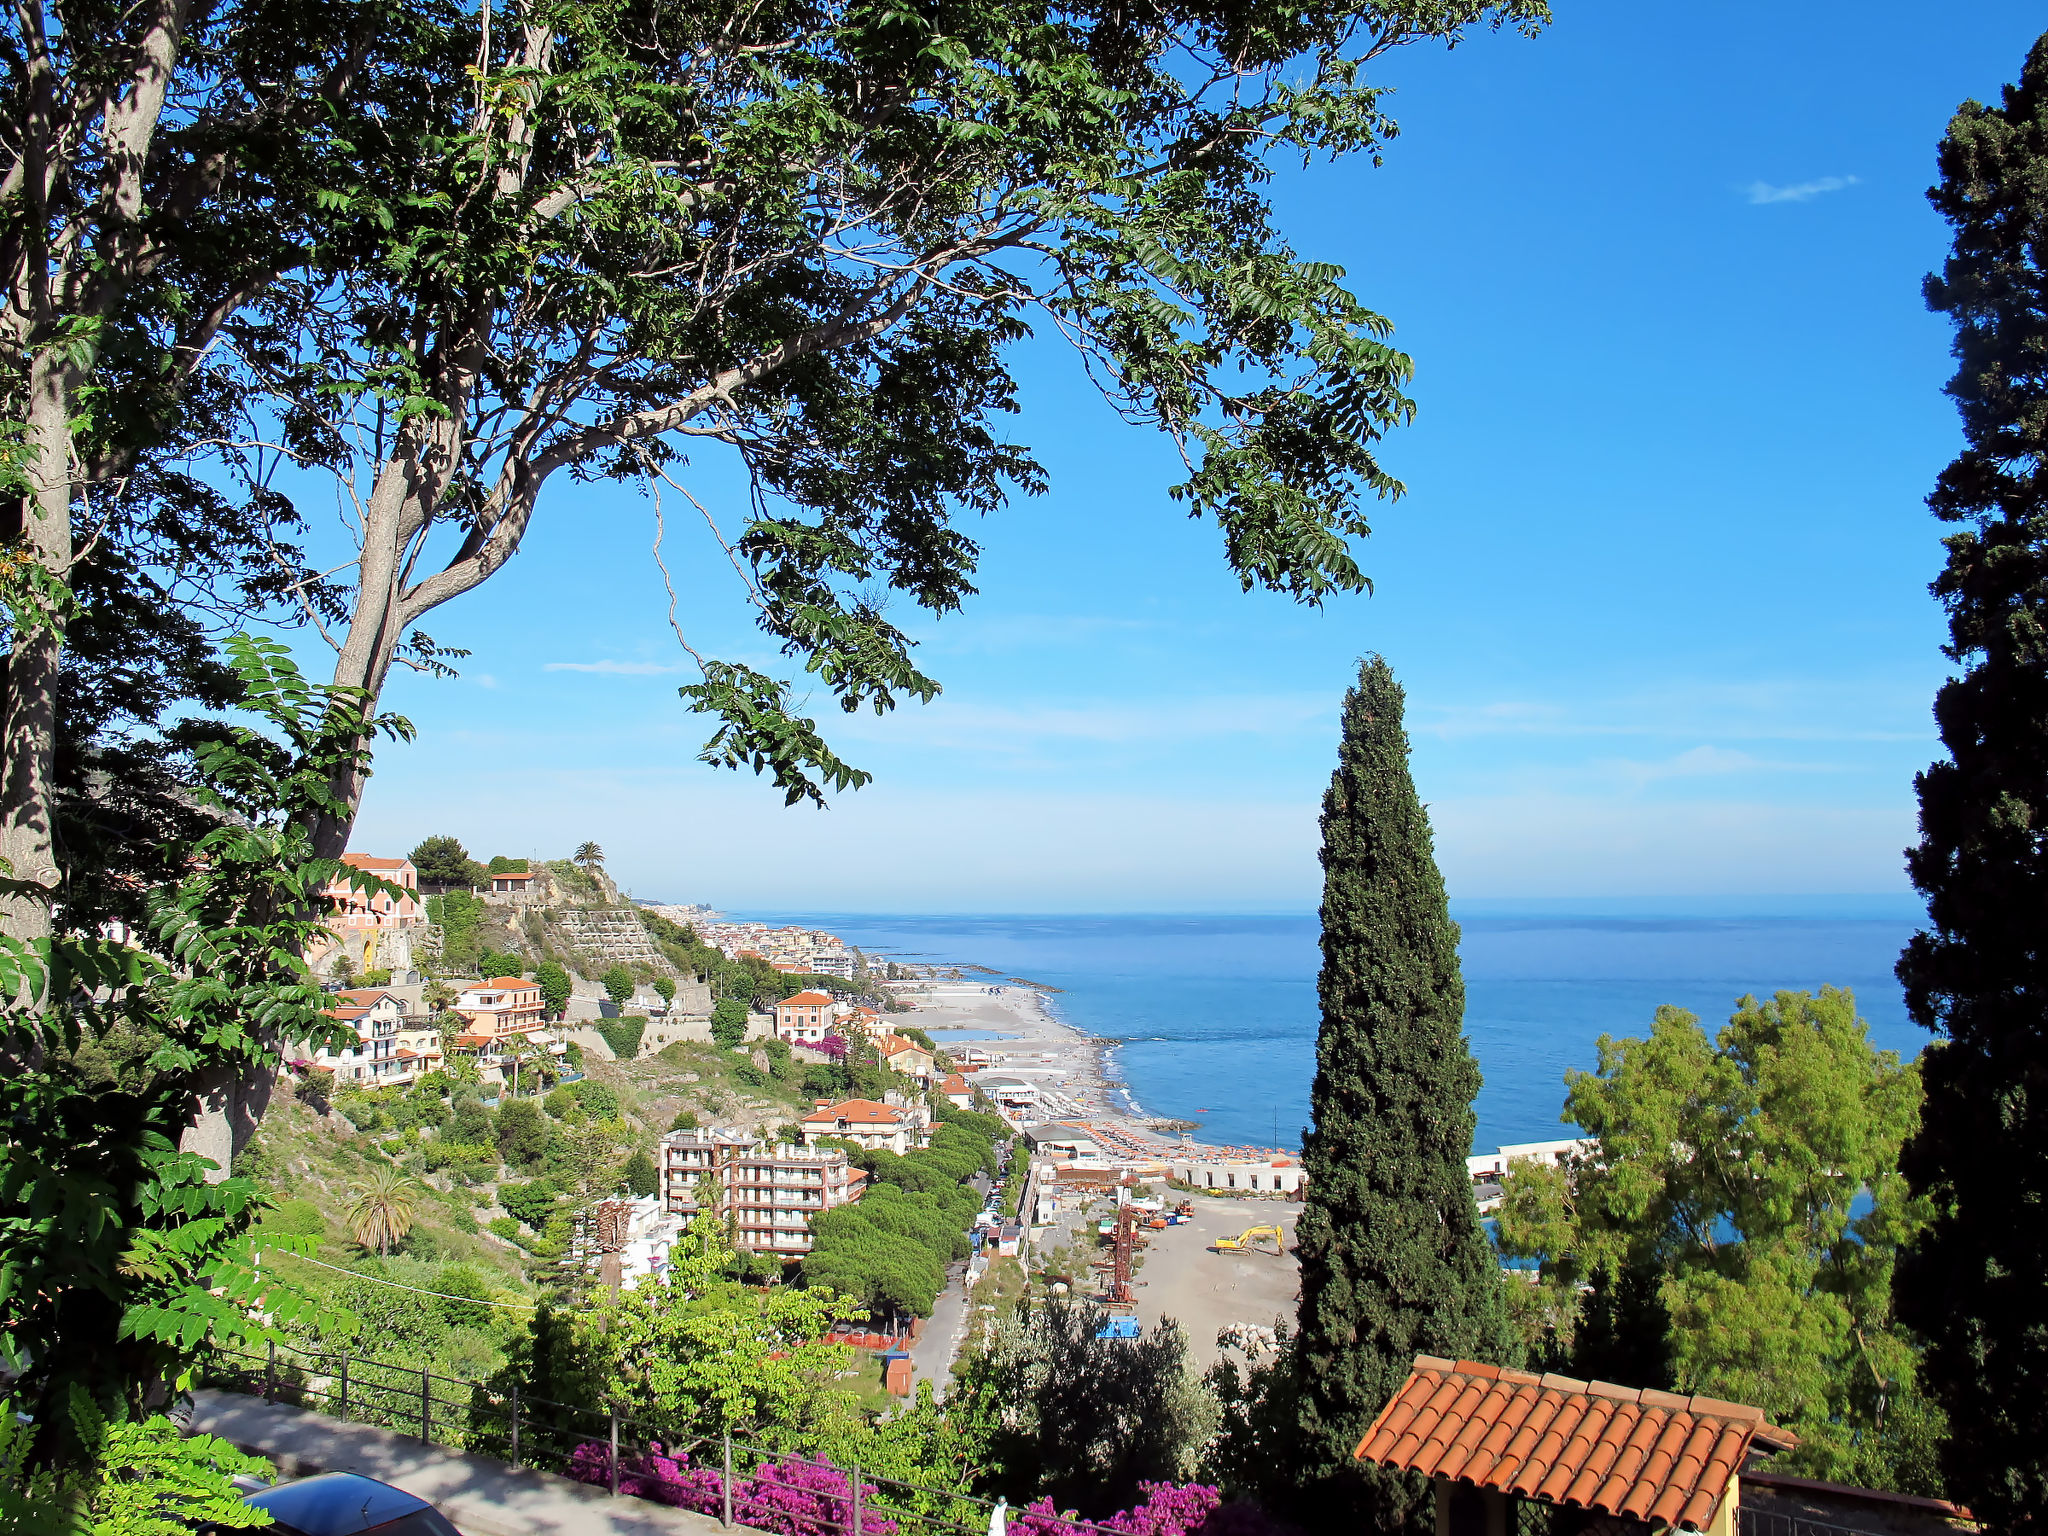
(555, 986)
(623, 1035)
(463, 1280)
(560, 1102)
(470, 1124)
(750, 1074)
(531, 1203)
(618, 984)
(599, 1101)
(299, 1218)
(316, 1090)
(522, 1132)
(506, 1227)
(492, 962)
(729, 1023)
(639, 1175)
(685, 1120)
(472, 1162)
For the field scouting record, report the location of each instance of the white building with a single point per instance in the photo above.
(767, 1194)
(1258, 1172)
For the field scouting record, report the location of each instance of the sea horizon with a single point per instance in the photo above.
(1212, 1018)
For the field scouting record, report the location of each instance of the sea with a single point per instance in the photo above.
(1212, 1019)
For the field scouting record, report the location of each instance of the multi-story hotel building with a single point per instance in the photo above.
(767, 1195)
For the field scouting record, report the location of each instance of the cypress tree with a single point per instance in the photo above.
(1394, 1262)
(1975, 1280)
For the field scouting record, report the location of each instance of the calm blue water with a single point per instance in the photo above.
(1217, 1015)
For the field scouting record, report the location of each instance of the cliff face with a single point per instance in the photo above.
(581, 920)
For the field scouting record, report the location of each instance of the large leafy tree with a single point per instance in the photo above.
(162, 163)
(1394, 1262)
(809, 235)
(1978, 974)
(1753, 1181)
(124, 1254)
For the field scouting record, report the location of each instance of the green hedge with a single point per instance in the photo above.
(622, 1035)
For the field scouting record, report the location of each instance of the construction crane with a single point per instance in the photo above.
(1246, 1240)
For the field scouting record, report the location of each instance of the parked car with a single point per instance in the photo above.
(348, 1504)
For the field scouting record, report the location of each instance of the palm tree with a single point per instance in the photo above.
(586, 855)
(382, 1208)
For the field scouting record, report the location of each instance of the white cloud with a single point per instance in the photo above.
(613, 668)
(1798, 192)
(1841, 710)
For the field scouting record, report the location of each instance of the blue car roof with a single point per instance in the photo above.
(335, 1503)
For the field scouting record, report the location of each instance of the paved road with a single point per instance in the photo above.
(482, 1497)
(932, 1355)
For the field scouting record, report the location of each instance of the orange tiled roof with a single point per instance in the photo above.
(806, 1000)
(366, 997)
(891, 1045)
(505, 984)
(1644, 1455)
(855, 1112)
(513, 874)
(371, 861)
(954, 1083)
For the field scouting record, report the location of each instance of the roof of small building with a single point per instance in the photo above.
(954, 1083)
(896, 1045)
(504, 984)
(371, 861)
(1641, 1454)
(512, 874)
(366, 997)
(855, 1112)
(806, 1000)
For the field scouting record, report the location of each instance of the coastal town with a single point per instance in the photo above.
(996, 1047)
(1323, 732)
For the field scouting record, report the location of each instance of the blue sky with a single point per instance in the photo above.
(1657, 593)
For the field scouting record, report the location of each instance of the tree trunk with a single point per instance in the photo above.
(41, 529)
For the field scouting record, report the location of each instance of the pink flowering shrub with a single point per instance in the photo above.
(806, 1498)
(790, 1498)
(1167, 1511)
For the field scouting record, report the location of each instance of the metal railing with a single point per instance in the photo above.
(742, 1483)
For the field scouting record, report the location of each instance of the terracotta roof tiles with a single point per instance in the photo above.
(1645, 1455)
(371, 861)
(806, 1000)
(855, 1112)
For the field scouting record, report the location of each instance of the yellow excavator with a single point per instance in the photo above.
(1248, 1240)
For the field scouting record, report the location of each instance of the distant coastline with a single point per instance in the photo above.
(1213, 1019)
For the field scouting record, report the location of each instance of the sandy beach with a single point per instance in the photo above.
(1065, 1063)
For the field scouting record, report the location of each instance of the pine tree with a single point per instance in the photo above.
(1394, 1262)
(1972, 1284)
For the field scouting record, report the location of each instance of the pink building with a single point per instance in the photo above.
(358, 909)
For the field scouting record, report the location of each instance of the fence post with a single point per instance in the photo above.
(426, 1407)
(615, 1450)
(728, 1478)
(270, 1373)
(856, 1500)
(515, 1425)
(344, 1385)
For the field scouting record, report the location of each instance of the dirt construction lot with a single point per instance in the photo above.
(1204, 1291)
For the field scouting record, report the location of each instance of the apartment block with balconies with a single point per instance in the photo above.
(766, 1194)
